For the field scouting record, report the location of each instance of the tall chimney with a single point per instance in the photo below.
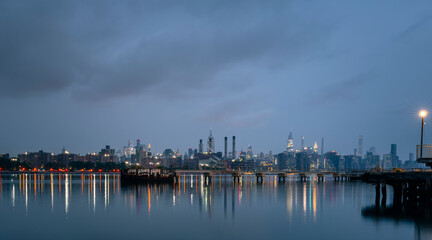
(226, 148)
(233, 150)
(322, 146)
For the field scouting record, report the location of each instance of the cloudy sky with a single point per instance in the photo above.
(83, 74)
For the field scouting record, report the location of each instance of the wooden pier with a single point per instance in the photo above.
(407, 186)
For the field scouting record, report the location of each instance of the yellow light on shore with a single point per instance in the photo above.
(423, 113)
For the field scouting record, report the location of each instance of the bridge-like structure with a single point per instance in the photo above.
(260, 175)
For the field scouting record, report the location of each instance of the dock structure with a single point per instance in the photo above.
(236, 175)
(407, 186)
(282, 176)
(260, 175)
(320, 177)
(303, 177)
(208, 177)
(174, 176)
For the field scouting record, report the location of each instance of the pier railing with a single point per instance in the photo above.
(424, 151)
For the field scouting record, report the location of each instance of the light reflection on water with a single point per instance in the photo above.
(191, 209)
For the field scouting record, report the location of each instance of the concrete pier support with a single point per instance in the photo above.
(282, 176)
(208, 177)
(303, 177)
(176, 177)
(236, 176)
(320, 177)
(260, 176)
(377, 194)
(384, 194)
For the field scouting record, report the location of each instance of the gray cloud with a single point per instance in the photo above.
(103, 50)
(343, 91)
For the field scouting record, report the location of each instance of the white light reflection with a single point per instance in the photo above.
(94, 193)
(13, 195)
(26, 193)
(106, 188)
(66, 194)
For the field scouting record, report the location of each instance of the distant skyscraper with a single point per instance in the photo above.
(315, 147)
(302, 143)
(393, 149)
(322, 146)
(394, 157)
(210, 143)
(411, 156)
(200, 147)
(360, 147)
(290, 143)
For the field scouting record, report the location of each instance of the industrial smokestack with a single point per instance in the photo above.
(233, 150)
(322, 146)
(226, 148)
(200, 146)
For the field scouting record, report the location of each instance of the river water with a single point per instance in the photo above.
(98, 206)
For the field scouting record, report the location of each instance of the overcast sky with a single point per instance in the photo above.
(83, 74)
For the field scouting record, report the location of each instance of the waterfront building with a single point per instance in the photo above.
(36, 159)
(107, 154)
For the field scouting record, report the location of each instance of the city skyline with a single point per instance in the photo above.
(84, 74)
(211, 144)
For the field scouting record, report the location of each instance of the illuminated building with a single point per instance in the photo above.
(107, 154)
(290, 143)
(249, 153)
(210, 143)
(302, 143)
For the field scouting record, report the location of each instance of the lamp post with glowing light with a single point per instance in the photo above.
(422, 114)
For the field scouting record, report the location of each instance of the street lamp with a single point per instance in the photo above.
(422, 114)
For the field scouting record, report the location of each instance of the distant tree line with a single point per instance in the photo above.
(9, 165)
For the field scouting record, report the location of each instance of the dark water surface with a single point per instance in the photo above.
(97, 206)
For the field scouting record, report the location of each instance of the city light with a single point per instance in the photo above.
(423, 113)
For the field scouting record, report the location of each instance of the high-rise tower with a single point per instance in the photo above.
(360, 147)
(290, 143)
(210, 143)
(200, 147)
(302, 143)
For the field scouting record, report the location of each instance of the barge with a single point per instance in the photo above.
(147, 176)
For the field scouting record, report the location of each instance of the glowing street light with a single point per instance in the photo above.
(422, 114)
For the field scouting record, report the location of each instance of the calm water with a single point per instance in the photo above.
(75, 206)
